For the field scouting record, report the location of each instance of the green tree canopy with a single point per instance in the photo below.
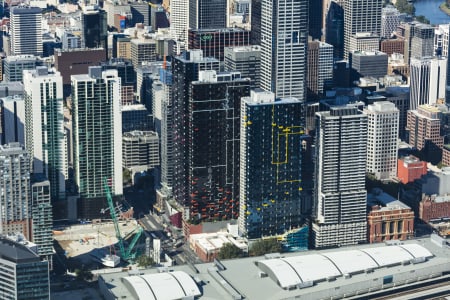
(145, 261)
(229, 251)
(262, 247)
(404, 6)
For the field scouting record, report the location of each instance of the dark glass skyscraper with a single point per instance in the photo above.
(315, 18)
(185, 69)
(95, 31)
(206, 137)
(271, 187)
(334, 30)
(255, 35)
(207, 14)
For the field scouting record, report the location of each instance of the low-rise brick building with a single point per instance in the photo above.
(388, 218)
(410, 168)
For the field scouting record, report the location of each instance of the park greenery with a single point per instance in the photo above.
(229, 251)
(265, 246)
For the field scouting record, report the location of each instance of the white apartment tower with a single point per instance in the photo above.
(97, 131)
(26, 30)
(284, 38)
(361, 16)
(179, 23)
(340, 172)
(382, 139)
(44, 126)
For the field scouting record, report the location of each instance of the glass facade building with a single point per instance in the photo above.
(97, 130)
(24, 276)
(207, 14)
(185, 69)
(213, 146)
(44, 125)
(271, 190)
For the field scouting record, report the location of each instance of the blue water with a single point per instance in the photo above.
(430, 9)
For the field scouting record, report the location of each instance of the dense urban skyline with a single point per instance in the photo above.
(197, 131)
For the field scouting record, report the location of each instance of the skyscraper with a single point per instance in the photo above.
(284, 36)
(390, 18)
(26, 30)
(207, 14)
(271, 201)
(41, 209)
(382, 139)
(320, 68)
(44, 127)
(179, 23)
(361, 16)
(95, 28)
(15, 213)
(246, 60)
(340, 172)
(185, 69)
(97, 129)
(427, 80)
(334, 29)
(12, 119)
(255, 19)
(315, 19)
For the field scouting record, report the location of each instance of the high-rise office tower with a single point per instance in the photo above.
(422, 41)
(390, 19)
(368, 64)
(179, 23)
(207, 14)
(97, 130)
(185, 69)
(26, 30)
(340, 172)
(140, 13)
(284, 36)
(44, 127)
(213, 41)
(315, 19)
(427, 80)
(424, 128)
(361, 16)
(382, 139)
(320, 68)
(24, 275)
(419, 81)
(15, 65)
(94, 28)
(255, 21)
(334, 29)
(42, 223)
(270, 165)
(419, 40)
(15, 201)
(246, 60)
(213, 145)
(167, 154)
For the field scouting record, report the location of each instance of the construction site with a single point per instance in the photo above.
(107, 242)
(88, 243)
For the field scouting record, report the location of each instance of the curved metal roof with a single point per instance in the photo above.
(297, 270)
(163, 286)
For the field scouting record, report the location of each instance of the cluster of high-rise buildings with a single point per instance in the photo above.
(267, 112)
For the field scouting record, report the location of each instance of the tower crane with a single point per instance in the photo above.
(127, 253)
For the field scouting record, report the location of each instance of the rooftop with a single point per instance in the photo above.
(16, 252)
(312, 274)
